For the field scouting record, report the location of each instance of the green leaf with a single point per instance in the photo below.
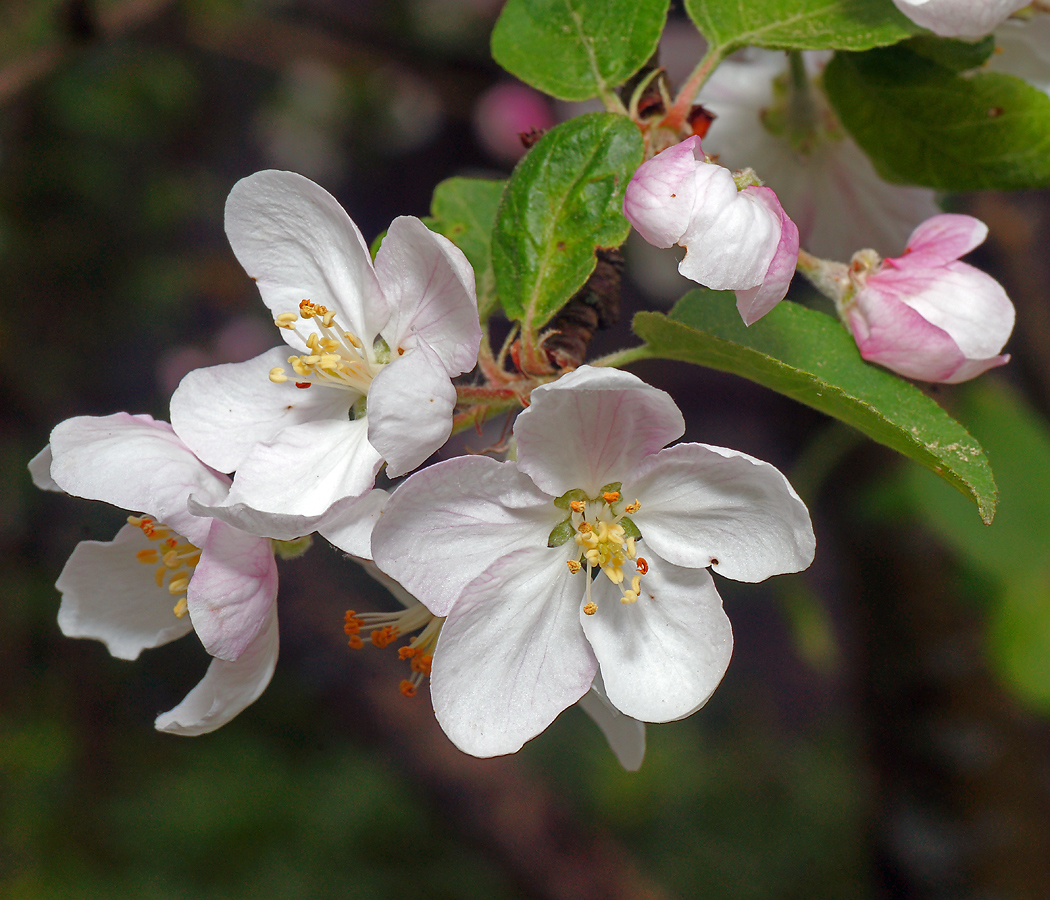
(923, 123)
(959, 56)
(808, 356)
(464, 211)
(563, 201)
(799, 24)
(577, 49)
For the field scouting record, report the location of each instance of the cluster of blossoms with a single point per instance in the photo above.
(578, 571)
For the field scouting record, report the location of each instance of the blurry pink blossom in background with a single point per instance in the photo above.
(506, 111)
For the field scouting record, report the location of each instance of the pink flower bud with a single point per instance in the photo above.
(959, 18)
(927, 316)
(739, 240)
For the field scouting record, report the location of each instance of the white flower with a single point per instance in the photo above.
(959, 18)
(1022, 49)
(823, 179)
(737, 240)
(507, 552)
(167, 572)
(926, 315)
(296, 428)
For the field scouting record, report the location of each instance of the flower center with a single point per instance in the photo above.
(388, 627)
(174, 557)
(336, 359)
(606, 538)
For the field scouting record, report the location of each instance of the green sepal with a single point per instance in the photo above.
(292, 549)
(629, 528)
(565, 499)
(609, 488)
(561, 533)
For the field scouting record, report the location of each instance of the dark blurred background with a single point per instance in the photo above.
(881, 732)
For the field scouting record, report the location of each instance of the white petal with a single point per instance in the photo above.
(223, 411)
(351, 529)
(448, 523)
(753, 303)
(703, 505)
(959, 18)
(40, 471)
(232, 590)
(1022, 49)
(298, 243)
(661, 195)
(511, 655)
(592, 427)
(227, 687)
(290, 483)
(429, 285)
(108, 595)
(663, 656)
(410, 406)
(135, 463)
(626, 736)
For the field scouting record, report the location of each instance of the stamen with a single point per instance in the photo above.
(590, 608)
(574, 566)
(277, 375)
(632, 508)
(641, 564)
(148, 556)
(577, 506)
(611, 497)
(286, 320)
(387, 627)
(177, 554)
(181, 608)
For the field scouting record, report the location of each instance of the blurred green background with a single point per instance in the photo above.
(882, 731)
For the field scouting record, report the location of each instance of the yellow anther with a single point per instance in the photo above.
(577, 506)
(286, 320)
(158, 576)
(630, 547)
(603, 532)
(181, 608)
(633, 507)
(353, 339)
(327, 318)
(611, 497)
(589, 609)
(148, 556)
(171, 559)
(179, 584)
(636, 584)
(629, 597)
(585, 528)
(574, 565)
(593, 557)
(615, 573)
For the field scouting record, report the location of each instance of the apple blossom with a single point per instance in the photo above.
(925, 315)
(507, 552)
(376, 349)
(822, 178)
(735, 239)
(166, 572)
(959, 18)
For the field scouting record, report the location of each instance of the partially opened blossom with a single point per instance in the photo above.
(738, 240)
(375, 349)
(925, 315)
(821, 177)
(167, 572)
(959, 18)
(589, 552)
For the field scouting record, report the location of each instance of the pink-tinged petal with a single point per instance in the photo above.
(592, 427)
(663, 656)
(709, 506)
(959, 18)
(894, 335)
(660, 197)
(135, 463)
(753, 303)
(732, 237)
(40, 471)
(974, 367)
(298, 243)
(943, 239)
(288, 484)
(221, 412)
(429, 285)
(108, 595)
(396, 590)
(351, 529)
(232, 590)
(969, 305)
(512, 654)
(449, 522)
(626, 736)
(227, 688)
(410, 406)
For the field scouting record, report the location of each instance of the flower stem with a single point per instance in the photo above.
(621, 358)
(697, 78)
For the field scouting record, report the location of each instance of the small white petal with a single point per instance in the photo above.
(448, 523)
(626, 736)
(429, 285)
(591, 427)
(663, 656)
(511, 655)
(222, 412)
(232, 590)
(704, 505)
(40, 471)
(351, 529)
(227, 688)
(108, 595)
